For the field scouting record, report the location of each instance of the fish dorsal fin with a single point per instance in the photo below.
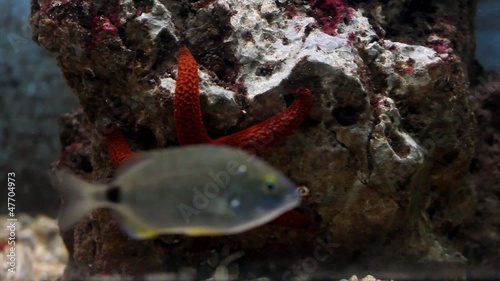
(136, 161)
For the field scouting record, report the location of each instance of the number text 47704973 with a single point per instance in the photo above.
(11, 222)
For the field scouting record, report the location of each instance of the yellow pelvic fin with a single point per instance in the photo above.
(134, 227)
(204, 231)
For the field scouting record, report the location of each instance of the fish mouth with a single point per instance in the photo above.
(289, 201)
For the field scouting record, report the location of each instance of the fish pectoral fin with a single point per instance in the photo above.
(204, 231)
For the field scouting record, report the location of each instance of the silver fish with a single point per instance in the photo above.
(194, 190)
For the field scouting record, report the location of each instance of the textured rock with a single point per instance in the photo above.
(384, 152)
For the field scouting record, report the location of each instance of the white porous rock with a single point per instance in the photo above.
(159, 19)
(285, 43)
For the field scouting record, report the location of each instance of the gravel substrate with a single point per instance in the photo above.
(39, 252)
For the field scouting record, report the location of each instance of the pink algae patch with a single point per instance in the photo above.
(105, 19)
(329, 13)
(440, 46)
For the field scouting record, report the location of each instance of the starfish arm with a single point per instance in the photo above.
(119, 150)
(187, 109)
(266, 133)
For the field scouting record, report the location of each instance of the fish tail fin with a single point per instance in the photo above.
(79, 197)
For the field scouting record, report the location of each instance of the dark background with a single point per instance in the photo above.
(33, 94)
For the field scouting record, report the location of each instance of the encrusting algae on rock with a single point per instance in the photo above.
(195, 190)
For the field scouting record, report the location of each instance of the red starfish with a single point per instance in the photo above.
(189, 123)
(118, 148)
(190, 129)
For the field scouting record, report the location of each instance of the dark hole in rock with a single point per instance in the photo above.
(78, 161)
(121, 32)
(142, 57)
(386, 242)
(490, 140)
(474, 166)
(85, 165)
(493, 104)
(433, 188)
(480, 213)
(289, 98)
(88, 75)
(262, 71)
(431, 211)
(66, 135)
(225, 73)
(347, 115)
(426, 7)
(404, 202)
(134, 254)
(114, 48)
(400, 186)
(318, 218)
(451, 231)
(183, 12)
(412, 109)
(146, 138)
(451, 156)
(356, 254)
(143, 3)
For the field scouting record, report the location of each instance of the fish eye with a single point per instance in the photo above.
(269, 185)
